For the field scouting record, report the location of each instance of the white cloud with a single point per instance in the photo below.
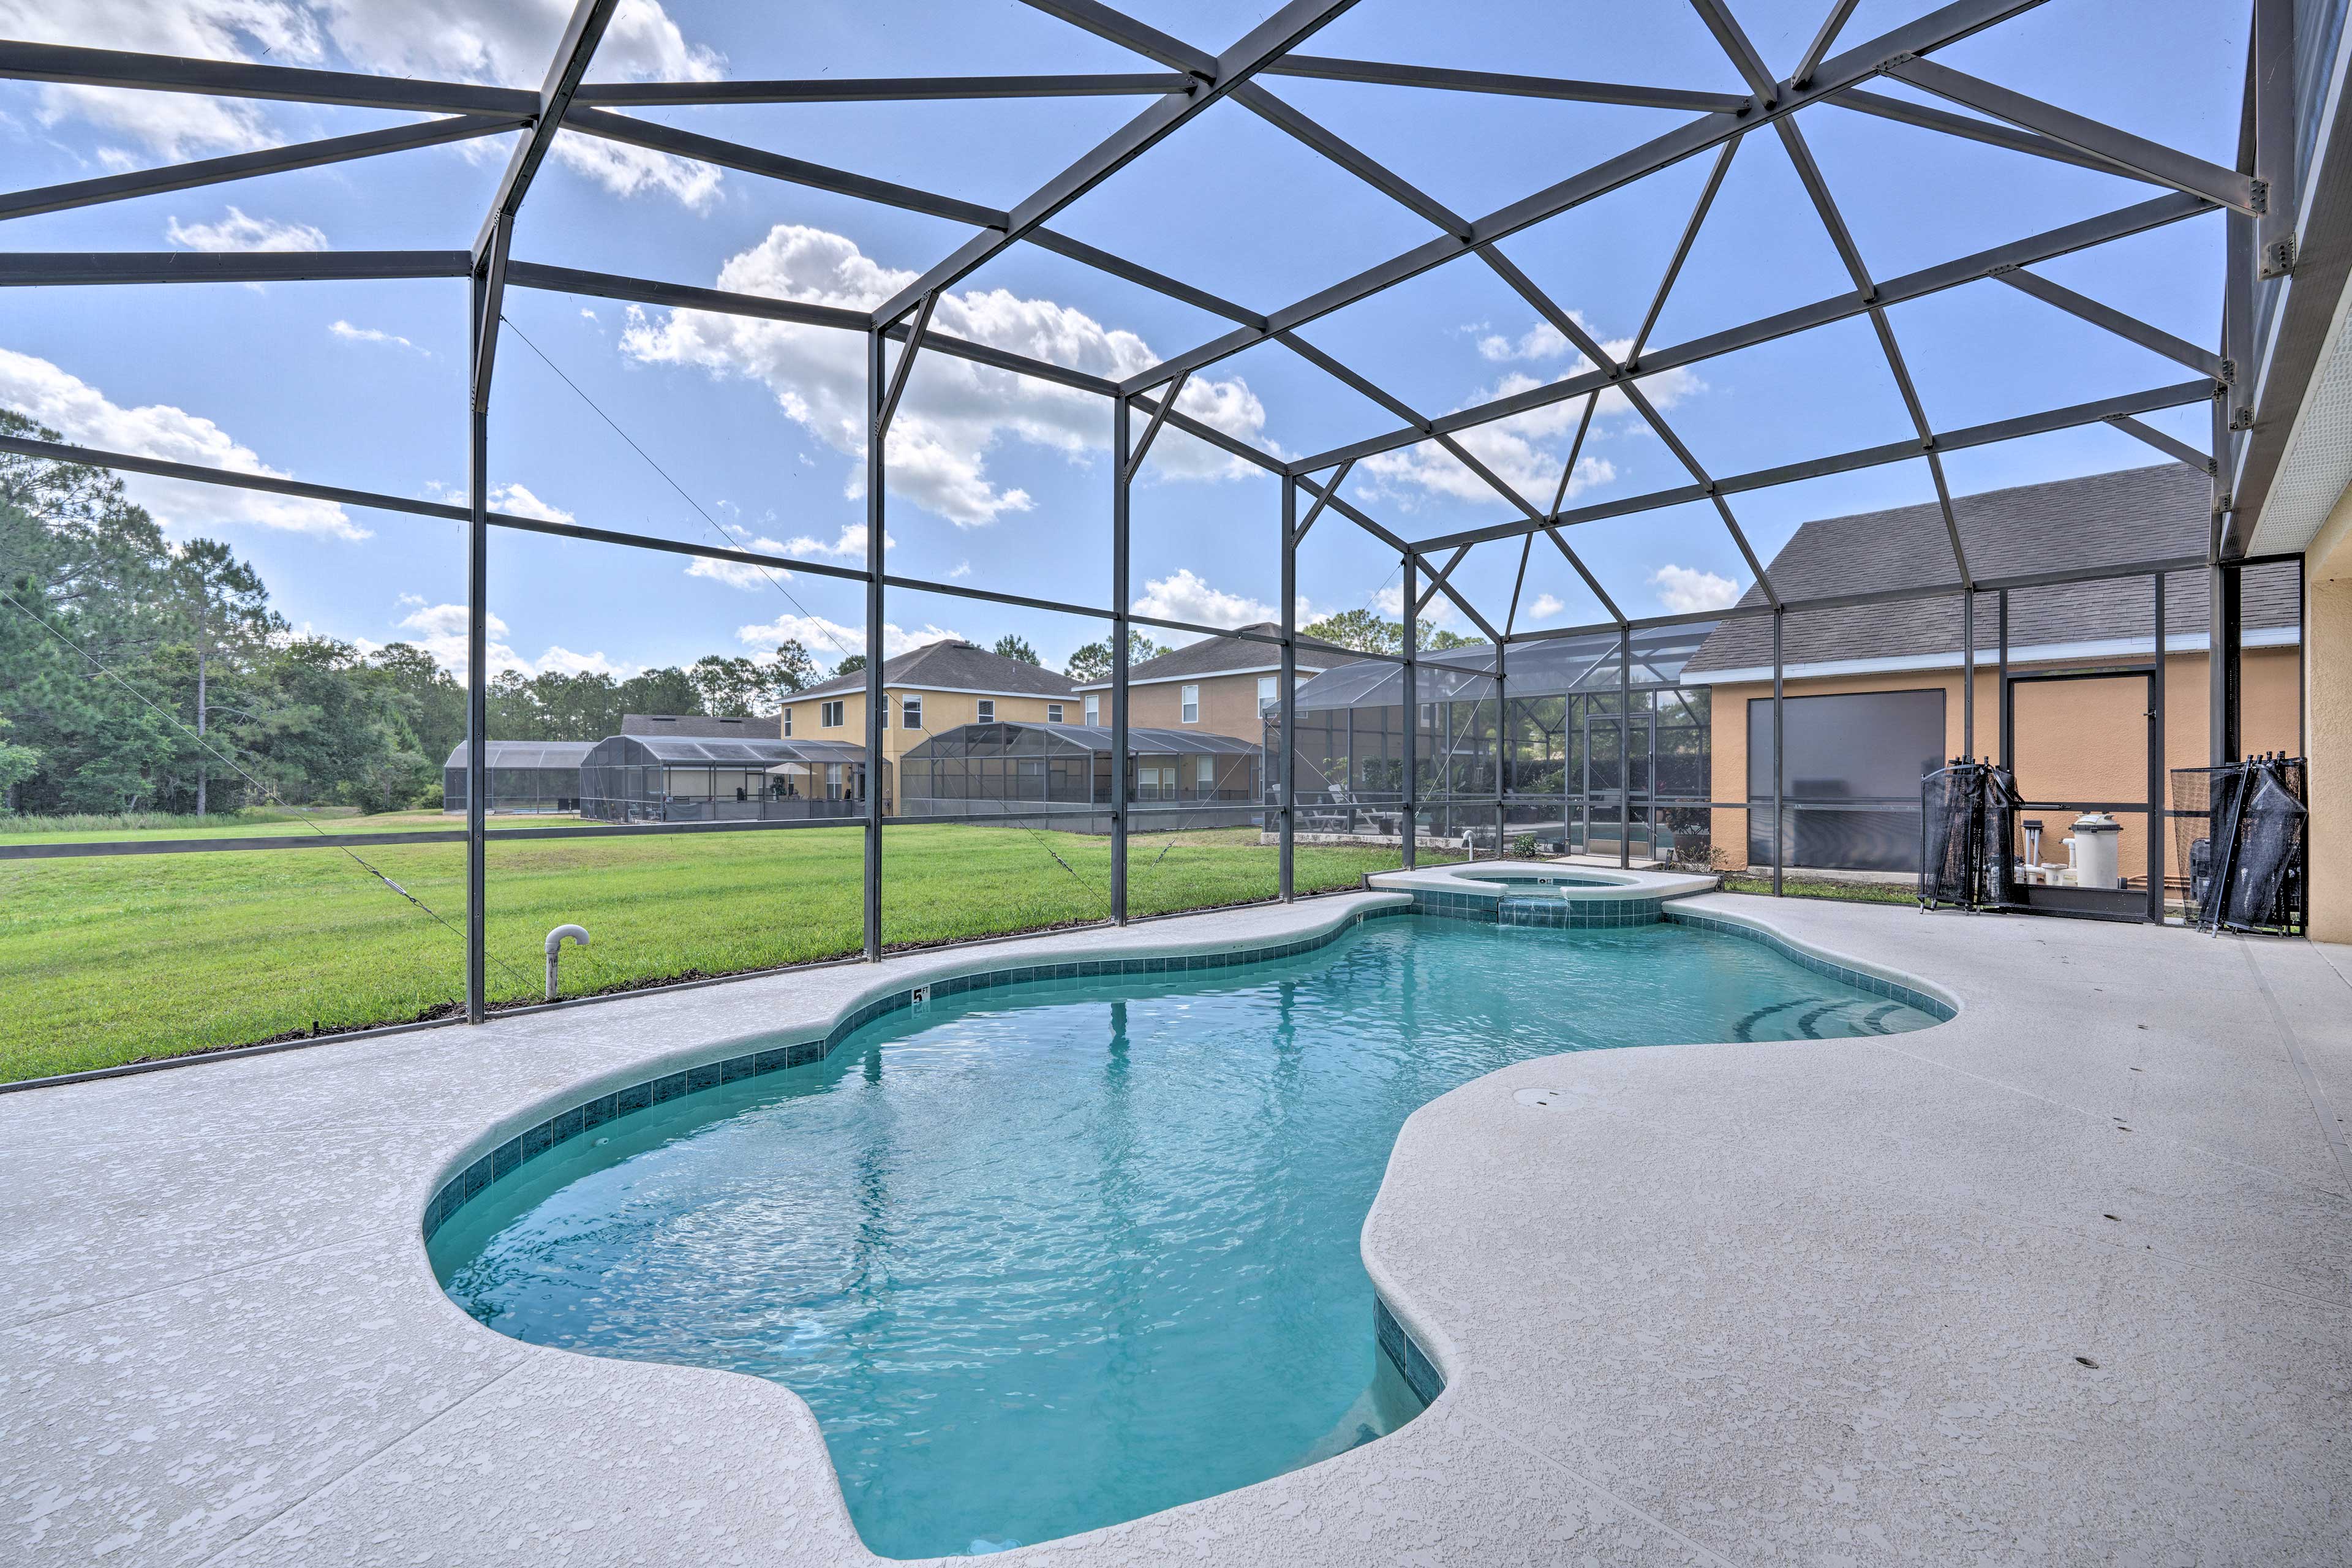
(238, 232)
(1439, 612)
(88, 417)
(1545, 605)
(1684, 590)
(440, 631)
(352, 334)
(1528, 450)
(829, 639)
(509, 42)
(955, 411)
(742, 574)
(849, 546)
(517, 501)
(962, 569)
(1184, 597)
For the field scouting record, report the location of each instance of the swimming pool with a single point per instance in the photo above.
(1048, 1257)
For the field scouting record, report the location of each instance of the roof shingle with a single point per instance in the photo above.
(2136, 514)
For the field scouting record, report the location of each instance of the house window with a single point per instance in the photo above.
(911, 712)
(1094, 711)
(788, 723)
(1205, 777)
(1265, 694)
(829, 716)
(987, 711)
(1053, 713)
(1190, 713)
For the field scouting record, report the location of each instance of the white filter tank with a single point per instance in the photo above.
(2096, 839)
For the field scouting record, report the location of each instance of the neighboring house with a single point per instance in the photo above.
(1872, 692)
(935, 687)
(1218, 684)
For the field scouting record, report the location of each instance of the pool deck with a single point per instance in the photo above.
(2066, 1279)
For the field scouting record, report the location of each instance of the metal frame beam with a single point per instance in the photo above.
(2147, 160)
(2155, 340)
(1256, 49)
(2119, 225)
(2179, 395)
(878, 89)
(238, 78)
(1946, 25)
(251, 166)
(1506, 84)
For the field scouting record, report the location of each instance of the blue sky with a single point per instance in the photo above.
(1006, 484)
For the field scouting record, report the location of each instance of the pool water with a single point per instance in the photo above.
(1050, 1257)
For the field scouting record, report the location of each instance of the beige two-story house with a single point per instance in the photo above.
(1219, 685)
(935, 687)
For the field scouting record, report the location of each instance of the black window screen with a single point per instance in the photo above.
(1852, 765)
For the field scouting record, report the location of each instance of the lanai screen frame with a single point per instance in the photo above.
(2269, 157)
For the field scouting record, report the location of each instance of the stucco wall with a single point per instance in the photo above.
(2075, 740)
(2327, 685)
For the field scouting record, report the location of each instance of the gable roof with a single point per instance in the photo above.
(2135, 514)
(1224, 655)
(702, 724)
(952, 667)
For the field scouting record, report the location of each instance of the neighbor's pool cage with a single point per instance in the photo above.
(1059, 775)
(1563, 741)
(684, 778)
(534, 776)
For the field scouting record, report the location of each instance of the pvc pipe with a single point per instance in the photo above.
(555, 944)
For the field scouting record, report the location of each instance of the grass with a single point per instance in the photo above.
(99, 827)
(1822, 888)
(117, 959)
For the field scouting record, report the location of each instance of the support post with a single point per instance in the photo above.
(1779, 759)
(2160, 823)
(2007, 746)
(1968, 674)
(876, 472)
(1626, 743)
(477, 701)
(1288, 762)
(2224, 649)
(1119, 634)
(1502, 708)
(1407, 825)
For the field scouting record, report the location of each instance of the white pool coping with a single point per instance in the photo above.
(1611, 882)
(1802, 1302)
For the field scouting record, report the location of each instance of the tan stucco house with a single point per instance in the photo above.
(1217, 685)
(935, 687)
(1872, 692)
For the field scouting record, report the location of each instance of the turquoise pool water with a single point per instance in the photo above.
(1053, 1255)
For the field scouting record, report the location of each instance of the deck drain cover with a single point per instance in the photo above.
(1542, 1097)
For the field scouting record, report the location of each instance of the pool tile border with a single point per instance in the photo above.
(1404, 1354)
(1530, 912)
(1542, 910)
(565, 1125)
(1933, 1006)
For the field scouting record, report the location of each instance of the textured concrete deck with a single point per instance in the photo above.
(1819, 1304)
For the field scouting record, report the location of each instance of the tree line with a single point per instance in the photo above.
(138, 676)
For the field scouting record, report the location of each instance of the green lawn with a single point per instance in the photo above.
(118, 958)
(1822, 888)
